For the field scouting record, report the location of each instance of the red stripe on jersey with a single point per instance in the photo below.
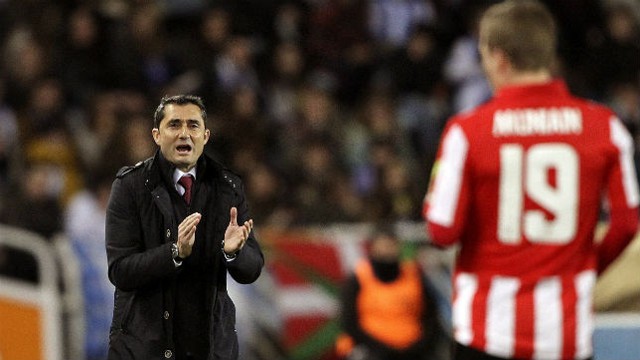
(524, 325)
(479, 313)
(569, 298)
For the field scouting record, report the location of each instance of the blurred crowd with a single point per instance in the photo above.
(330, 110)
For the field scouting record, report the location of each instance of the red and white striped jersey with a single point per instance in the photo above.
(518, 184)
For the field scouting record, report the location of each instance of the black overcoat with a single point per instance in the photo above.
(140, 228)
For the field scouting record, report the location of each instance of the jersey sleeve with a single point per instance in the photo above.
(622, 196)
(447, 199)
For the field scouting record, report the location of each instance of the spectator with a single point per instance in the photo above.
(387, 307)
(269, 198)
(9, 142)
(340, 44)
(82, 61)
(318, 170)
(138, 53)
(24, 62)
(397, 193)
(34, 203)
(318, 115)
(417, 66)
(211, 36)
(44, 133)
(282, 85)
(215, 32)
(617, 59)
(135, 144)
(462, 67)
(234, 68)
(289, 24)
(244, 111)
(372, 139)
(392, 22)
(84, 220)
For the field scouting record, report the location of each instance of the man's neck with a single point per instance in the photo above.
(178, 173)
(525, 78)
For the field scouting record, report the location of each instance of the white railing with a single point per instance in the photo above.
(43, 295)
(56, 296)
(72, 298)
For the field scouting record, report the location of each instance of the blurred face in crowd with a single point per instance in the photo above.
(385, 248)
(384, 256)
(181, 135)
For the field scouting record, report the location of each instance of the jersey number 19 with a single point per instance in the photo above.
(548, 175)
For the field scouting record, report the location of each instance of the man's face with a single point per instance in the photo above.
(181, 135)
(385, 248)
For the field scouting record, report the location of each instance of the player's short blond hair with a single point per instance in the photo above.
(524, 29)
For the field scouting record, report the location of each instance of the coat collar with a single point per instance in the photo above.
(159, 170)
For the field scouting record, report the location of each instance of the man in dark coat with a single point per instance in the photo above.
(171, 243)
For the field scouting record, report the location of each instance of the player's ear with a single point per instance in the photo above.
(156, 135)
(502, 61)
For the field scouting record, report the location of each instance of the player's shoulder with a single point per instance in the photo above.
(466, 116)
(473, 120)
(592, 108)
(222, 173)
(131, 169)
(597, 119)
(231, 178)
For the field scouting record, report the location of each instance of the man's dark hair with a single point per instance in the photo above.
(178, 100)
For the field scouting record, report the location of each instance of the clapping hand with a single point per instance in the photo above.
(187, 234)
(236, 235)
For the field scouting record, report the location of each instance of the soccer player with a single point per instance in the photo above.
(519, 185)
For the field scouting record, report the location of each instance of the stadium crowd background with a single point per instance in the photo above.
(330, 110)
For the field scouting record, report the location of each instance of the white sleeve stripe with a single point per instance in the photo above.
(501, 315)
(548, 319)
(623, 141)
(443, 199)
(584, 284)
(466, 286)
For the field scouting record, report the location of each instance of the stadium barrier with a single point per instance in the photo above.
(72, 298)
(617, 336)
(290, 313)
(35, 316)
